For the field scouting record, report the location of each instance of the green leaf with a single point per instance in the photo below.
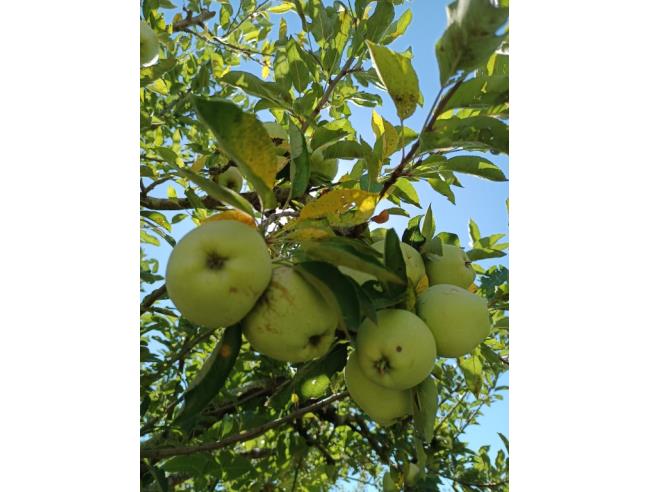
(299, 162)
(158, 218)
(147, 238)
(504, 440)
(449, 238)
(426, 402)
(428, 224)
(395, 262)
(245, 140)
(477, 166)
(471, 133)
(216, 191)
(346, 149)
(350, 253)
(379, 21)
(471, 368)
(442, 187)
(211, 377)
(404, 190)
(322, 136)
(280, 9)
(299, 73)
(398, 28)
(484, 254)
(339, 288)
(474, 231)
(470, 37)
(255, 86)
(160, 478)
(194, 464)
(398, 76)
(480, 92)
(412, 234)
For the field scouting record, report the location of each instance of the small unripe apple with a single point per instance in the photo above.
(292, 322)
(322, 170)
(453, 267)
(149, 45)
(216, 273)
(458, 319)
(383, 405)
(231, 178)
(398, 352)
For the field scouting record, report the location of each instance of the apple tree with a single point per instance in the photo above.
(292, 336)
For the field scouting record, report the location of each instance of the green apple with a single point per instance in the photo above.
(413, 264)
(291, 322)
(398, 352)
(149, 45)
(458, 319)
(383, 405)
(231, 178)
(322, 170)
(453, 267)
(413, 261)
(216, 273)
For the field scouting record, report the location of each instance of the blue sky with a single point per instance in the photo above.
(481, 200)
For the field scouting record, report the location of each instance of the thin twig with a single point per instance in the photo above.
(190, 20)
(243, 436)
(148, 301)
(434, 114)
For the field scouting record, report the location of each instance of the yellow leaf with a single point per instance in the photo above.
(309, 233)
(265, 71)
(244, 139)
(232, 215)
(342, 207)
(199, 164)
(472, 288)
(398, 76)
(384, 128)
(423, 284)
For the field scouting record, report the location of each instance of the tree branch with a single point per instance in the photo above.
(148, 301)
(435, 113)
(190, 20)
(243, 436)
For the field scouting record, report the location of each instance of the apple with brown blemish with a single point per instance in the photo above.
(291, 322)
(217, 272)
(398, 352)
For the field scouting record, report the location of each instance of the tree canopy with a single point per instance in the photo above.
(230, 86)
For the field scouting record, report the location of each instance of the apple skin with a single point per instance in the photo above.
(149, 45)
(223, 293)
(458, 319)
(397, 353)
(413, 264)
(292, 322)
(384, 406)
(322, 170)
(454, 267)
(231, 178)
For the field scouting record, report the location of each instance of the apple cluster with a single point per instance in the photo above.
(221, 273)
(399, 351)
